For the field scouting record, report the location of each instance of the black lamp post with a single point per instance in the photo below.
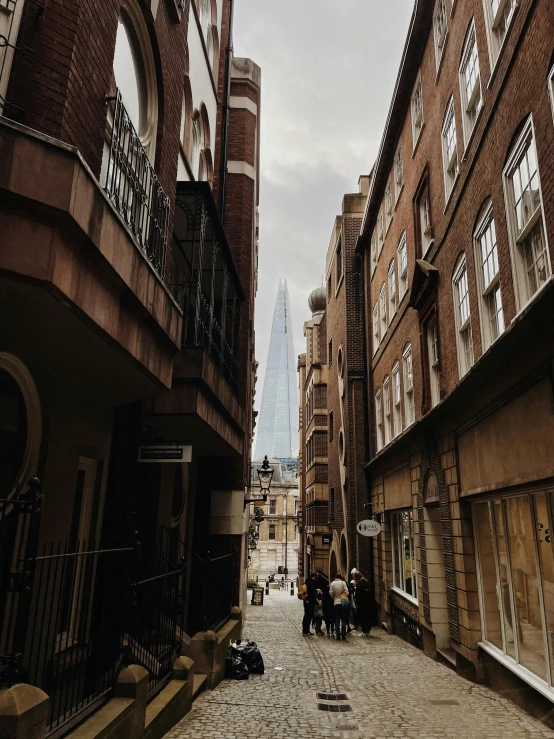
(265, 475)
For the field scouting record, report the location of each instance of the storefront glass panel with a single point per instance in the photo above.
(505, 591)
(404, 571)
(484, 529)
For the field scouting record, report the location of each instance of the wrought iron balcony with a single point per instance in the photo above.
(206, 283)
(134, 188)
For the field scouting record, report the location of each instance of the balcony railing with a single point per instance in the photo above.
(134, 188)
(206, 284)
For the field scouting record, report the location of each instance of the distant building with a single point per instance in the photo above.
(278, 542)
(277, 435)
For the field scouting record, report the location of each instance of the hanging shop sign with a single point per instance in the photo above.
(369, 527)
(165, 453)
(326, 539)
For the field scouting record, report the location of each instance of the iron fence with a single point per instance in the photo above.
(156, 626)
(134, 188)
(406, 619)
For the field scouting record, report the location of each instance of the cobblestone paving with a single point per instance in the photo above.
(392, 688)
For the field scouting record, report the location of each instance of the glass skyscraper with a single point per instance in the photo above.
(278, 421)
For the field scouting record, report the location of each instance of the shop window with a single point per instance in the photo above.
(525, 217)
(403, 553)
(516, 580)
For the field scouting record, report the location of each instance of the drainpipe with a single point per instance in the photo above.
(226, 115)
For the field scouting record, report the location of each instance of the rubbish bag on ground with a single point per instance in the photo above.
(251, 655)
(235, 666)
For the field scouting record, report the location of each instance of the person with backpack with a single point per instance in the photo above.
(307, 593)
(341, 600)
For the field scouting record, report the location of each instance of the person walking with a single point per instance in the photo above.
(309, 605)
(363, 602)
(318, 612)
(328, 612)
(339, 592)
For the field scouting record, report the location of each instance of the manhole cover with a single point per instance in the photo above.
(332, 696)
(444, 703)
(336, 708)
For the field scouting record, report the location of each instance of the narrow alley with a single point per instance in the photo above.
(388, 689)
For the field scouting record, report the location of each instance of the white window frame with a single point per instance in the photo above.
(462, 317)
(408, 372)
(380, 231)
(383, 310)
(497, 28)
(10, 19)
(376, 335)
(396, 400)
(551, 88)
(388, 205)
(393, 294)
(416, 106)
(400, 521)
(440, 32)
(449, 153)
(516, 235)
(432, 331)
(402, 267)
(399, 170)
(491, 310)
(471, 94)
(379, 419)
(425, 223)
(387, 412)
(373, 251)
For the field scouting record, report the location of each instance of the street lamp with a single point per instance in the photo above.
(286, 531)
(265, 474)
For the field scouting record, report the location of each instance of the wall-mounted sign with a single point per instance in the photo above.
(326, 539)
(368, 527)
(165, 453)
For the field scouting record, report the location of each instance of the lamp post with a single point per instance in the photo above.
(265, 475)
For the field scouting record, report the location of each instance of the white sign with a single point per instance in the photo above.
(369, 527)
(165, 453)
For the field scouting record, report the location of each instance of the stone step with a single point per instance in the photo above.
(447, 657)
(198, 685)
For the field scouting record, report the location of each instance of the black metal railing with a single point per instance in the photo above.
(155, 631)
(207, 286)
(79, 609)
(218, 591)
(134, 188)
(11, 54)
(407, 619)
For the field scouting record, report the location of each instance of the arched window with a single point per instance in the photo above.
(196, 141)
(462, 316)
(205, 16)
(135, 75)
(525, 216)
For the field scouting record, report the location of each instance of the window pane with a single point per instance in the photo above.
(487, 564)
(127, 72)
(525, 585)
(504, 581)
(547, 569)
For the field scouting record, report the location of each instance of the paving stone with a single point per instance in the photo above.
(395, 691)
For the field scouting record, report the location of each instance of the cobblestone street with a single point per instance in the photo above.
(392, 688)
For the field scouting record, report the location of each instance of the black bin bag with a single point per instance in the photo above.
(251, 655)
(235, 666)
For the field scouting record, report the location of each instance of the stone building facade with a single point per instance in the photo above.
(129, 136)
(456, 240)
(278, 539)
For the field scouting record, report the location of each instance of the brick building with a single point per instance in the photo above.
(333, 405)
(129, 142)
(456, 241)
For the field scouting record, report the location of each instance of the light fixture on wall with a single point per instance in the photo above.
(265, 475)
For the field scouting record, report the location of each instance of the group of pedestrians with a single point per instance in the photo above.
(336, 604)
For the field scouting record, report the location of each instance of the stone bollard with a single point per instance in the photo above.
(292, 587)
(23, 712)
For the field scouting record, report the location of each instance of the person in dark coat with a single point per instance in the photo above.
(363, 602)
(309, 605)
(328, 612)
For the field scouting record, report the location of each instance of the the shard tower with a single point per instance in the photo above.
(278, 422)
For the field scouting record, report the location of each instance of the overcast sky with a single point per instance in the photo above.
(328, 73)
